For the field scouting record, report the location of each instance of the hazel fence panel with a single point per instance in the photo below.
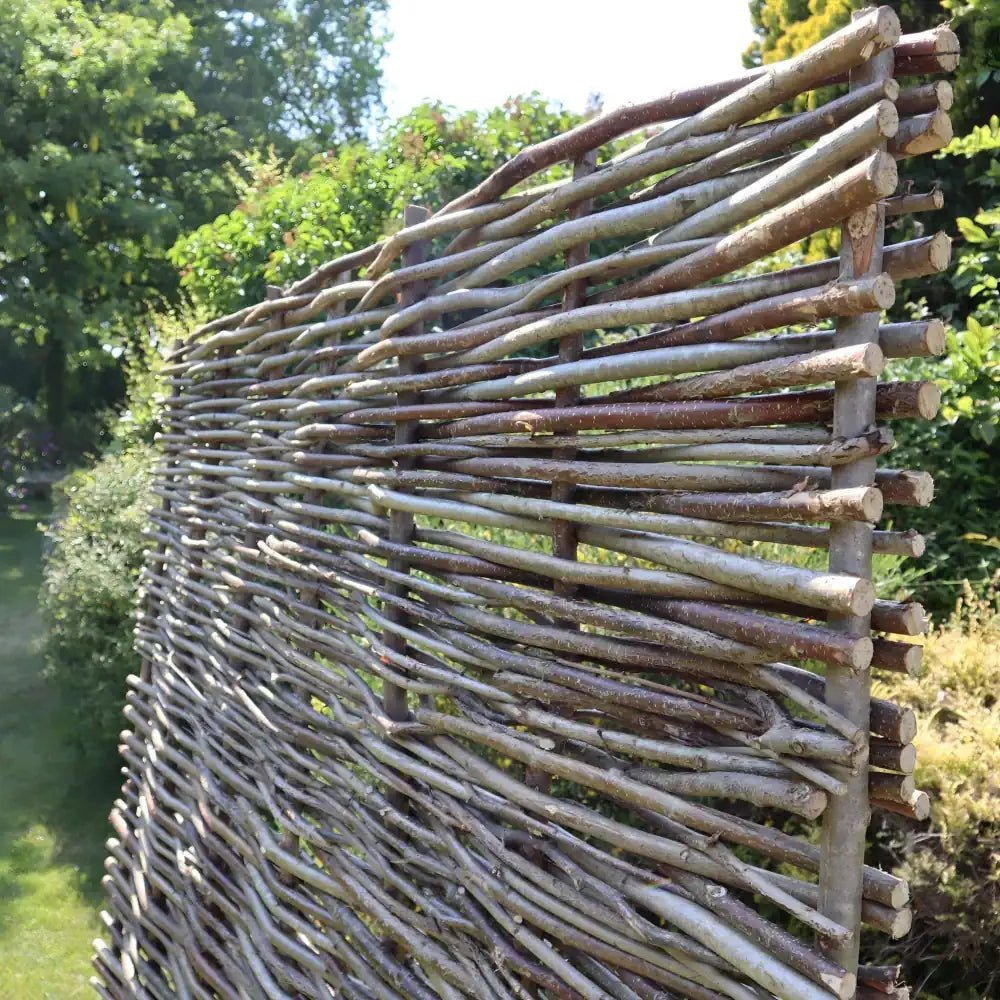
(464, 671)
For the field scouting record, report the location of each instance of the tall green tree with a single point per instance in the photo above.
(119, 121)
(280, 69)
(303, 76)
(78, 223)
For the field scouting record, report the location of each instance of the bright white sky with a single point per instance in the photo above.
(474, 55)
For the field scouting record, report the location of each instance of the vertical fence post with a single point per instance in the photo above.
(309, 595)
(401, 522)
(564, 540)
(256, 519)
(842, 845)
(570, 349)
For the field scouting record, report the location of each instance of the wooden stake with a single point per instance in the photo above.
(845, 823)
(401, 525)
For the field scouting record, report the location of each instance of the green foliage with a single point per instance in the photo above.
(79, 219)
(982, 139)
(138, 422)
(954, 865)
(282, 71)
(977, 86)
(970, 379)
(289, 223)
(962, 449)
(119, 121)
(89, 592)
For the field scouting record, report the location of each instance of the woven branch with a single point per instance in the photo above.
(475, 659)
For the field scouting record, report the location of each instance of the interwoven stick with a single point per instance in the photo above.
(479, 664)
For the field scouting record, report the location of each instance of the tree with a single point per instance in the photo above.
(119, 120)
(303, 76)
(293, 69)
(78, 221)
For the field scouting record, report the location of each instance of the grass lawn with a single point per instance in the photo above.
(53, 806)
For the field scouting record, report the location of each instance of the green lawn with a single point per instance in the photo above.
(53, 806)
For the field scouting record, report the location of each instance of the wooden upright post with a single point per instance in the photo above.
(848, 690)
(564, 540)
(401, 522)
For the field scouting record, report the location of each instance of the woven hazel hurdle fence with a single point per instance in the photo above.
(460, 677)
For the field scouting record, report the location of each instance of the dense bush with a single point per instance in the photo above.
(962, 449)
(89, 590)
(953, 862)
(289, 223)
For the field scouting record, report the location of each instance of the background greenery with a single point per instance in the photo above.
(162, 162)
(120, 122)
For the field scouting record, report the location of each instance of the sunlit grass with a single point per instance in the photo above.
(52, 810)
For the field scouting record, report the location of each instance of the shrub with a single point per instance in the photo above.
(953, 862)
(962, 449)
(89, 590)
(144, 350)
(288, 223)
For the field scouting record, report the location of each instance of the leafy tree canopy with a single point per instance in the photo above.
(119, 119)
(79, 221)
(301, 75)
(305, 69)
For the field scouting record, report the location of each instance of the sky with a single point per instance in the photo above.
(474, 55)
